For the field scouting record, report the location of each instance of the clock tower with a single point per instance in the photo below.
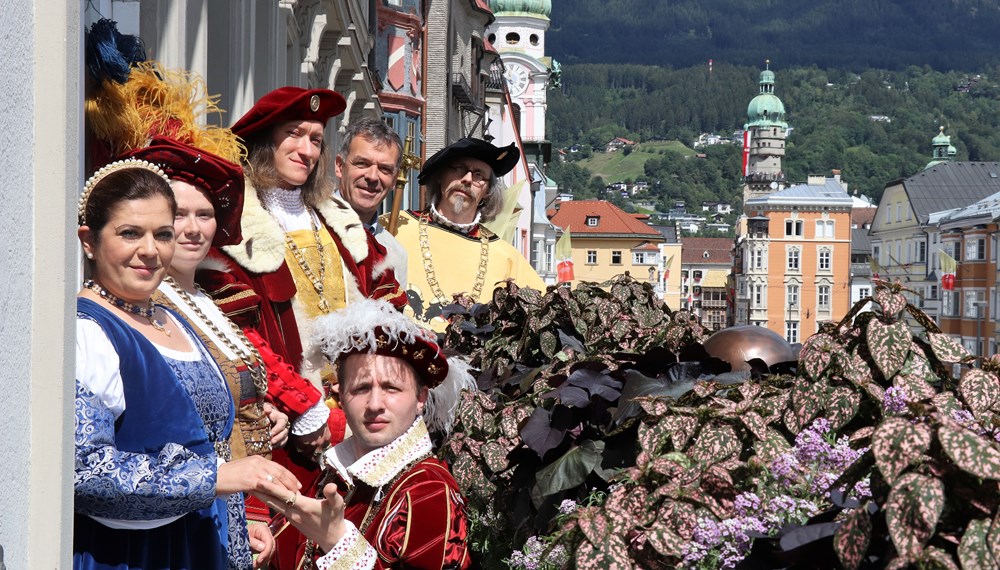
(517, 114)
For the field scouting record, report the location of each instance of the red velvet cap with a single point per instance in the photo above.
(221, 179)
(423, 354)
(290, 104)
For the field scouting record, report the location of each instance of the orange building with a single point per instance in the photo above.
(608, 241)
(793, 261)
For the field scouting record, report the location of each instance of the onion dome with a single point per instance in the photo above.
(539, 7)
(766, 109)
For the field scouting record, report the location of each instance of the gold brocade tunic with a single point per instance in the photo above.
(456, 259)
(334, 290)
(306, 303)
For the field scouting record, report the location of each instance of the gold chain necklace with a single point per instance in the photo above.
(425, 248)
(317, 283)
(247, 353)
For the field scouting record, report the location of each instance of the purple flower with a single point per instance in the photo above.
(895, 400)
(567, 507)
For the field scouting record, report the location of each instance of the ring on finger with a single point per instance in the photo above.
(269, 478)
(291, 500)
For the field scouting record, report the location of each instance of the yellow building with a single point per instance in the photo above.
(794, 259)
(608, 241)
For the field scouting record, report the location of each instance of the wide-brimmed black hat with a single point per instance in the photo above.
(501, 159)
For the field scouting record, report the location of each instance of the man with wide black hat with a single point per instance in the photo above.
(450, 251)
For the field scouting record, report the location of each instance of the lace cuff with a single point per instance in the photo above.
(351, 552)
(312, 420)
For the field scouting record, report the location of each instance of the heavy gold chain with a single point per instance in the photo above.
(425, 248)
(247, 353)
(317, 282)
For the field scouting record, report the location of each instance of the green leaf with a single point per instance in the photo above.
(773, 445)
(936, 559)
(851, 540)
(665, 542)
(897, 443)
(892, 303)
(974, 550)
(912, 512)
(970, 452)
(889, 344)
(979, 389)
(567, 472)
(947, 349)
(913, 378)
(841, 405)
(715, 444)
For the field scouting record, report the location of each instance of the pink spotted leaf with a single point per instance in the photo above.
(979, 389)
(889, 344)
(851, 540)
(912, 512)
(970, 452)
(974, 550)
(897, 443)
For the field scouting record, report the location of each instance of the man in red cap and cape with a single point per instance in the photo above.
(304, 254)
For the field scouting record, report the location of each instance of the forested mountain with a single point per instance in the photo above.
(846, 34)
(875, 125)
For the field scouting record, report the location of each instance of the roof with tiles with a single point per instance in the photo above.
(611, 220)
(950, 185)
(719, 250)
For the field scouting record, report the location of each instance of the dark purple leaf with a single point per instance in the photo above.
(538, 433)
(567, 472)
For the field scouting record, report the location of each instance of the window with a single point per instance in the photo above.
(956, 248)
(824, 258)
(823, 297)
(592, 221)
(758, 258)
(792, 331)
(921, 252)
(792, 296)
(643, 257)
(591, 257)
(616, 258)
(974, 301)
(793, 259)
(899, 212)
(758, 295)
(864, 292)
(975, 249)
(550, 250)
(697, 276)
(824, 229)
(793, 228)
(949, 303)
(877, 254)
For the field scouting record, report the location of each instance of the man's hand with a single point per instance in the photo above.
(321, 520)
(279, 425)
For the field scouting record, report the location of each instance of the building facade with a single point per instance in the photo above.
(793, 263)
(705, 267)
(607, 241)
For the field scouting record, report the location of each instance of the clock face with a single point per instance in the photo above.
(517, 79)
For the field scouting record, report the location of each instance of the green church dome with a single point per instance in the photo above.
(540, 7)
(766, 109)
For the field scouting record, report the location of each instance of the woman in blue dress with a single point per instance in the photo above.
(154, 484)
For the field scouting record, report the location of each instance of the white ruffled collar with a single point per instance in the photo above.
(464, 228)
(378, 467)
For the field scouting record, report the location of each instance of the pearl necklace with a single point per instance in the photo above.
(317, 281)
(247, 353)
(148, 312)
(425, 248)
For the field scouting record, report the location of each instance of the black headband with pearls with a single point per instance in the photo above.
(107, 170)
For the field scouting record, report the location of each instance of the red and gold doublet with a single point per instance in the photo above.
(403, 508)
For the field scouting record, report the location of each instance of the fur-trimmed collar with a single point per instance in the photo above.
(263, 247)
